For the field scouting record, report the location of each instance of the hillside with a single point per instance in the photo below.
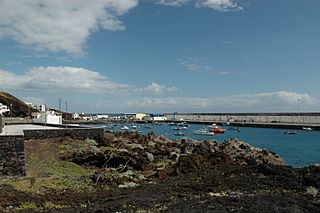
(19, 108)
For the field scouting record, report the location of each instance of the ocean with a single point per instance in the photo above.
(298, 150)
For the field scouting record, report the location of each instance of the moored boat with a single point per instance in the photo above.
(179, 134)
(290, 132)
(218, 129)
(307, 128)
(183, 124)
(203, 132)
(213, 125)
(125, 128)
(134, 127)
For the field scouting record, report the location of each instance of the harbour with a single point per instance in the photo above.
(159, 106)
(298, 150)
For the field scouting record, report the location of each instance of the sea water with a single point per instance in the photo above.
(298, 150)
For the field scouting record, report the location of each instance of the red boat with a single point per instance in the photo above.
(218, 129)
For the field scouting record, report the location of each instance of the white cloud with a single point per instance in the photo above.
(279, 101)
(61, 78)
(172, 3)
(273, 101)
(60, 25)
(73, 79)
(157, 88)
(33, 100)
(193, 64)
(221, 5)
(10, 80)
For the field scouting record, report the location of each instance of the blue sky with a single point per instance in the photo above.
(163, 55)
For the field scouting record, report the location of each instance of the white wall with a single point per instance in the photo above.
(49, 119)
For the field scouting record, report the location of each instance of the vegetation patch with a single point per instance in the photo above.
(45, 169)
(50, 205)
(26, 206)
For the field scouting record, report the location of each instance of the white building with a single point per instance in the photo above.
(102, 117)
(46, 117)
(75, 115)
(155, 117)
(135, 116)
(4, 108)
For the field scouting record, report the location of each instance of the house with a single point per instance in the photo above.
(75, 116)
(46, 117)
(4, 108)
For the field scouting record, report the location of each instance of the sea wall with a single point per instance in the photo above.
(292, 118)
(12, 158)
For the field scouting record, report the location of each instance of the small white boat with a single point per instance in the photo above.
(178, 134)
(183, 124)
(212, 125)
(203, 132)
(125, 128)
(307, 128)
(183, 128)
(134, 127)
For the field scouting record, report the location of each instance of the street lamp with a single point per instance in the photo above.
(45, 114)
(60, 101)
(66, 113)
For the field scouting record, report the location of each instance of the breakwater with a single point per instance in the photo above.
(267, 120)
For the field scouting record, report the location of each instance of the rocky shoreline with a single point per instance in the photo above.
(136, 173)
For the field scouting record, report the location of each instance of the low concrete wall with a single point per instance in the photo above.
(9, 121)
(12, 158)
(75, 133)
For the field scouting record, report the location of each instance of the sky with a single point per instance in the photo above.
(162, 55)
